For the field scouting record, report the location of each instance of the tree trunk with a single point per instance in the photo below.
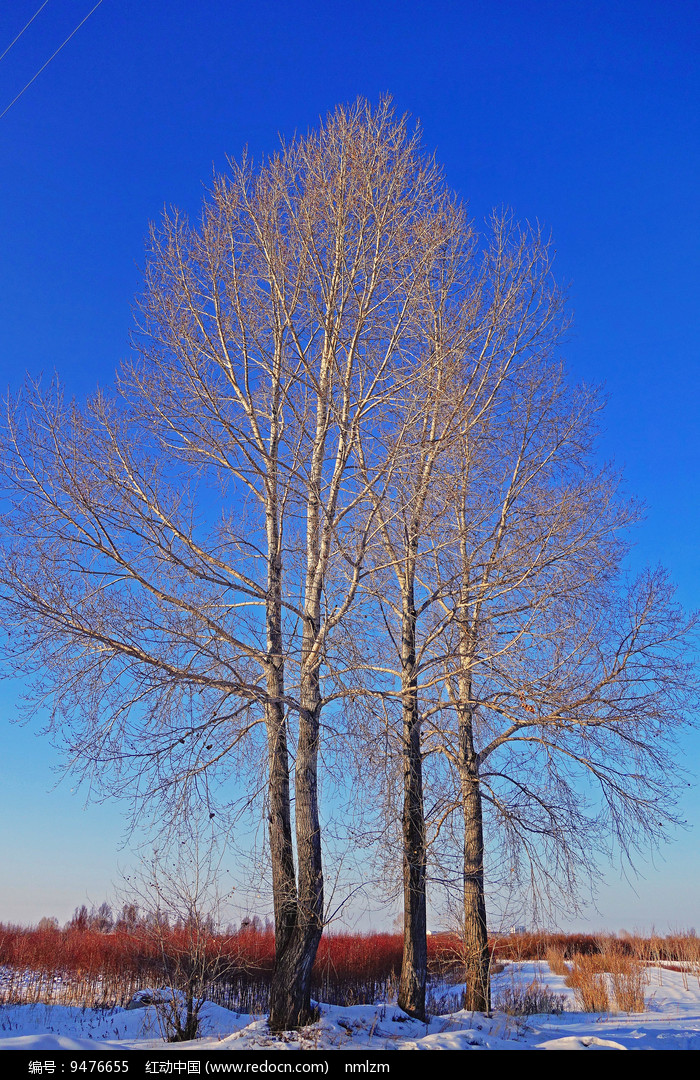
(477, 961)
(284, 890)
(414, 965)
(290, 995)
(290, 992)
(285, 1009)
(284, 893)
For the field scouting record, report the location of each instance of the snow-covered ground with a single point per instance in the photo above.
(671, 1022)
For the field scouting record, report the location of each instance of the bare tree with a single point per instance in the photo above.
(181, 912)
(272, 336)
(488, 316)
(567, 678)
(520, 652)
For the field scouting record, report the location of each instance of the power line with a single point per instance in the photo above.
(49, 59)
(23, 29)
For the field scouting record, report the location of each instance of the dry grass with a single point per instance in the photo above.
(556, 961)
(518, 947)
(628, 988)
(613, 980)
(589, 984)
(680, 946)
(628, 977)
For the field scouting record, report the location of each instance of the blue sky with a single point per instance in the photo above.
(582, 115)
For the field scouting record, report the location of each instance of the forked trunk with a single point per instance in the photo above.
(290, 990)
(298, 916)
(290, 993)
(295, 947)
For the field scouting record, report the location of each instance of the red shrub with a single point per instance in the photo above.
(82, 963)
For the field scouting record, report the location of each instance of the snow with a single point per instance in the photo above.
(671, 1022)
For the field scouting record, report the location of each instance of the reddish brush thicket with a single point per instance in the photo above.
(349, 968)
(360, 954)
(138, 950)
(97, 952)
(81, 964)
(71, 950)
(356, 968)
